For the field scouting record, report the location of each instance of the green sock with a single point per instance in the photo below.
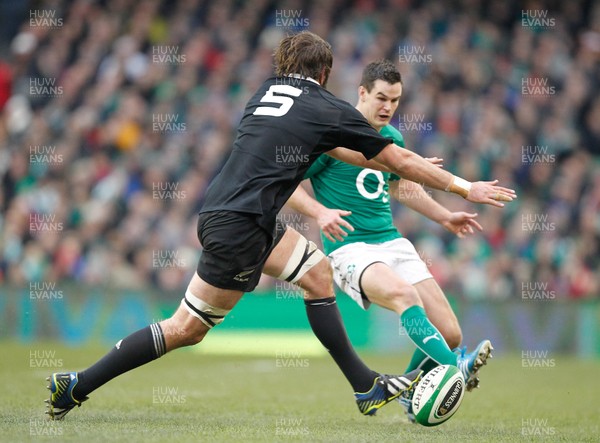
(426, 336)
(421, 361)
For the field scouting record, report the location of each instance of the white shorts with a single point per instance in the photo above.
(350, 261)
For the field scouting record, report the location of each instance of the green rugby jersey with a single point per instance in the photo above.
(363, 191)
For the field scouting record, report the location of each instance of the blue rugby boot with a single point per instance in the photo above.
(61, 394)
(469, 364)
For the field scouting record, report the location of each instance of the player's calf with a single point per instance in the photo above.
(383, 287)
(451, 332)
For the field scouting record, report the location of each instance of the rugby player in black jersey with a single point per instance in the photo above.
(241, 237)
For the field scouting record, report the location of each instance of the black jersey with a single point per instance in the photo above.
(286, 125)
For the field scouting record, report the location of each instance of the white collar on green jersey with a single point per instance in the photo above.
(310, 79)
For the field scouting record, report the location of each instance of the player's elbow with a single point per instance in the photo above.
(404, 161)
(398, 160)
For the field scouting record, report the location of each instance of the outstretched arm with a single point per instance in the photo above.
(413, 167)
(413, 195)
(330, 221)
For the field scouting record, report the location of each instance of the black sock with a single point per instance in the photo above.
(326, 323)
(134, 350)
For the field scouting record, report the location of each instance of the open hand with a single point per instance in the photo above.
(331, 223)
(462, 224)
(490, 194)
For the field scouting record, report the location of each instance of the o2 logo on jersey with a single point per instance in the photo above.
(364, 179)
(284, 102)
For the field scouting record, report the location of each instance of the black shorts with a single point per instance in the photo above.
(235, 249)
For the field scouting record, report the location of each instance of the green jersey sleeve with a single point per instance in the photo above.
(320, 163)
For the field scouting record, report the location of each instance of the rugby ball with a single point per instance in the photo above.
(438, 395)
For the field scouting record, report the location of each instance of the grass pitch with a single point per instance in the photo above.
(190, 397)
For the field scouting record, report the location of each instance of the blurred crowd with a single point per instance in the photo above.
(115, 114)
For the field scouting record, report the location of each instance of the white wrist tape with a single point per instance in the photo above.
(459, 186)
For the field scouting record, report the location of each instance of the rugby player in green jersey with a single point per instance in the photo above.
(371, 261)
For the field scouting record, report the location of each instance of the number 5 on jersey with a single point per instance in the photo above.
(284, 102)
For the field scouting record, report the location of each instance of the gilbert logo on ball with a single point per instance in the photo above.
(438, 395)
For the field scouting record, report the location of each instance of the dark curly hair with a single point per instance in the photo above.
(304, 53)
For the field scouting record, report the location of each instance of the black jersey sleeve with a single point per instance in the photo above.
(357, 134)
